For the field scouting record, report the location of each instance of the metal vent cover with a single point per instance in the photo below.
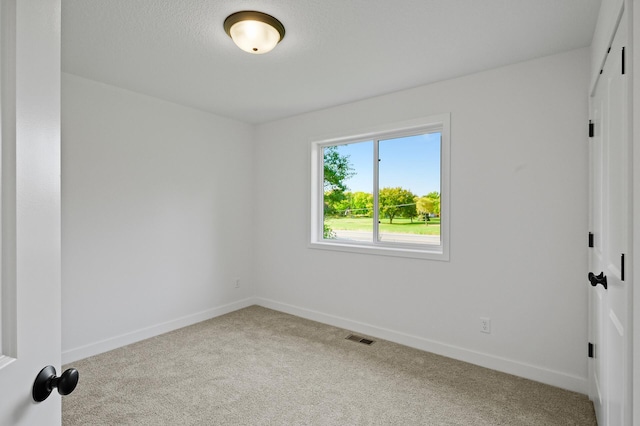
(359, 339)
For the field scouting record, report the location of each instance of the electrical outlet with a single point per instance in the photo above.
(236, 282)
(485, 325)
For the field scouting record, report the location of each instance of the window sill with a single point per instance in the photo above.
(427, 253)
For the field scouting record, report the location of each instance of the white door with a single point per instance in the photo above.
(30, 213)
(610, 217)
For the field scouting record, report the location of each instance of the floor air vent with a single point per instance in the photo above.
(359, 339)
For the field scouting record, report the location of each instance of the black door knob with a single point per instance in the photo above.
(598, 279)
(47, 380)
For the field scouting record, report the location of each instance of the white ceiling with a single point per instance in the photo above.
(334, 51)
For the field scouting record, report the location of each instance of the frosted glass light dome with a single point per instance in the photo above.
(254, 32)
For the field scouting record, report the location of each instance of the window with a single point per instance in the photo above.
(384, 191)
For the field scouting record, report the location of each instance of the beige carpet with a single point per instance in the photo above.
(261, 367)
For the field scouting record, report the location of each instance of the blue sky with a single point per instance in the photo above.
(412, 163)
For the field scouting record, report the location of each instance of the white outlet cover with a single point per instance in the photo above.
(485, 325)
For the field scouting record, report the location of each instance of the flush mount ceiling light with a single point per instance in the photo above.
(254, 32)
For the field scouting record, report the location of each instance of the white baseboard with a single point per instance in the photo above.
(539, 374)
(532, 372)
(105, 345)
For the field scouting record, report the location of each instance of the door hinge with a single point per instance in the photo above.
(591, 239)
(591, 129)
(623, 60)
(622, 267)
(590, 353)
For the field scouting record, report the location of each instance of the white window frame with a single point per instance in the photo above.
(435, 123)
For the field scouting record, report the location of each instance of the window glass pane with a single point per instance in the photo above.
(409, 189)
(383, 196)
(348, 192)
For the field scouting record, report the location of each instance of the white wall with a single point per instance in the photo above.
(156, 216)
(518, 233)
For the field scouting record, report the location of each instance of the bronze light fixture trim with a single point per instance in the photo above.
(254, 32)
